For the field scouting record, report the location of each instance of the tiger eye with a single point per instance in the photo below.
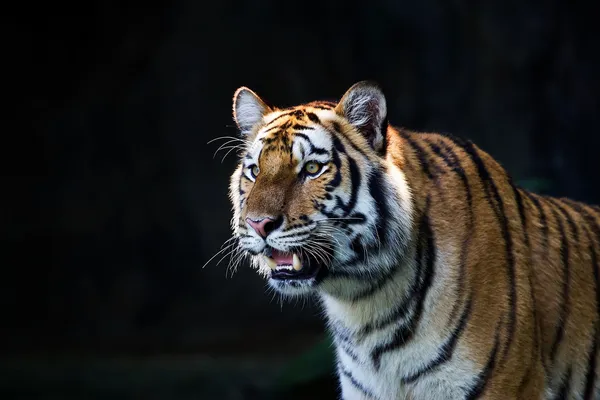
(312, 167)
(255, 170)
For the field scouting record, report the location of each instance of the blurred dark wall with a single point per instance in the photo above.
(115, 202)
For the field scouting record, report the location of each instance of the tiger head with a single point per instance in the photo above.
(317, 203)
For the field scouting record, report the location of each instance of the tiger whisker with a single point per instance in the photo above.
(320, 252)
(233, 265)
(230, 150)
(232, 141)
(313, 252)
(231, 251)
(338, 219)
(229, 240)
(217, 253)
(227, 137)
(227, 145)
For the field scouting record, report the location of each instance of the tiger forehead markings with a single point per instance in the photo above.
(439, 277)
(280, 150)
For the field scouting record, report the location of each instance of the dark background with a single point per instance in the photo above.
(113, 202)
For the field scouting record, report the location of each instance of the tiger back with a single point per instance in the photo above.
(439, 277)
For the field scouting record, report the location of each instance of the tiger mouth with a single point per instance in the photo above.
(291, 266)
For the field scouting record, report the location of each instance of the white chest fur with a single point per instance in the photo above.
(363, 377)
(380, 362)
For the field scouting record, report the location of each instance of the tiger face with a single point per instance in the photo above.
(312, 195)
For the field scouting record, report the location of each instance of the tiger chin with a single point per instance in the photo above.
(439, 277)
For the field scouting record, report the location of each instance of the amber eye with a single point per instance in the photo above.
(254, 170)
(312, 167)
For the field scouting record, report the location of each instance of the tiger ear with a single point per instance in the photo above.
(248, 109)
(364, 106)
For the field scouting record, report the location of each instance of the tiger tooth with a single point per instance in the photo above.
(296, 263)
(271, 263)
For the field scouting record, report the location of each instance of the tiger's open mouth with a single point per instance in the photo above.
(291, 266)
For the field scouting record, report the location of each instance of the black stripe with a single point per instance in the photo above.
(337, 133)
(322, 105)
(565, 386)
(592, 356)
(376, 279)
(303, 136)
(453, 162)
(525, 381)
(566, 282)
(300, 127)
(344, 342)
(355, 383)
(337, 178)
(401, 310)
(318, 150)
(384, 142)
(356, 218)
(311, 147)
(313, 117)
(447, 154)
(521, 208)
(340, 332)
(286, 114)
(496, 203)
(375, 286)
(374, 276)
(482, 379)
(446, 351)
(420, 152)
(543, 220)
(283, 126)
(376, 186)
(298, 113)
(348, 350)
(535, 350)
(590, 375)
(355, 183)
(568, 217)
(564, 250)
(273, 128)
(589, 218)
(405, 332)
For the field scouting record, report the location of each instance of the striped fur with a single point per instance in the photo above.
(440, 278)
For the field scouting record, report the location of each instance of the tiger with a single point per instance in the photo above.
(438, 276)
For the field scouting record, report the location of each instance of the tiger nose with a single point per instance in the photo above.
(264, 226)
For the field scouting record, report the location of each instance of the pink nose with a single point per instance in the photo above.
(264, 226)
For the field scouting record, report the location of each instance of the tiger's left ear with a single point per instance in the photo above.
(248, 109)
(364, 106)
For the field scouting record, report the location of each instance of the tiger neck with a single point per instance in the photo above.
(397, 259)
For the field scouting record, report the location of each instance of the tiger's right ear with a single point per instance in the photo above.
(248, 109)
